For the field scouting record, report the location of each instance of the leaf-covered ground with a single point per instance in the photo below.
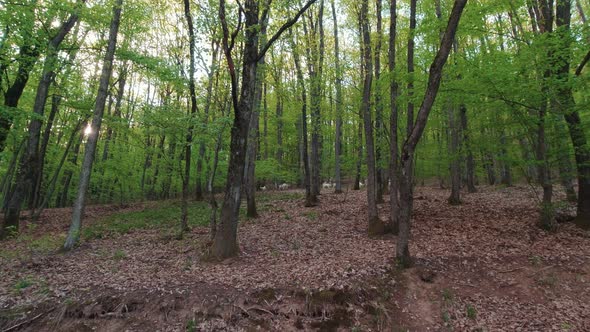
(483, 265)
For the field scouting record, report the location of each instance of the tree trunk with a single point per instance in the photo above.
(107, 69)
(193, 110)
(29, 168)
(379, 129)
(225, 244)
(434, 78)
(252, 151)
(53, 180)
(310, 198)
(393, 124)
(567, 106)
(506, 174)
(467, 150)
(339, 106)
(375, 226)
(455, 198)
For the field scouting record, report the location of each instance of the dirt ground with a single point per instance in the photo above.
(480, 266)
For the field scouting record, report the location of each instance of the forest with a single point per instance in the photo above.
(325, 165)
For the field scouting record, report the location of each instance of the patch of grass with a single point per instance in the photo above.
(471, 312)
(191, 326)
(119, 255)
(165, 215)
(446, 317)
(23, 283)
(311, 215)
(447, 295)
(566, 326)
(287, 216)
(273, 197)
(548, 280)
(535, 260)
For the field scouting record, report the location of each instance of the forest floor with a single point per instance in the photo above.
(480, 266)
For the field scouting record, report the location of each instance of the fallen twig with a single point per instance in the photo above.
(14, 327)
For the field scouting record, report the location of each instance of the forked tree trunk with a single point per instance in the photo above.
(225, 244)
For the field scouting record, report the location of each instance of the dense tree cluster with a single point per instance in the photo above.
(123, 100)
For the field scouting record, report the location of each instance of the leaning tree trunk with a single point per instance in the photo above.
(29, 167)
(434, 78)
(107, 69)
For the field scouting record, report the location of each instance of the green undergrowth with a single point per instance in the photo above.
(163, 215)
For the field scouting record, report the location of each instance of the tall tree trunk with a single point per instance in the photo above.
(375, 226)
(467, 151)
(310, 198)
(208, 98)
(315, 65)
(36, 193)
(62, 199)
(107, 69)
(566, 105)
(506, 174)
(455, 168)
(193, 110)
(339, 105)
(25, 180)
(409, 146)
(250, 180)
(393, 123)
(379, 129)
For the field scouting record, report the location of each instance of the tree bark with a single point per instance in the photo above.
(107, 69)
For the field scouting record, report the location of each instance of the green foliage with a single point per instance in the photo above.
(23, 283)
(164, 215)
(471, 312)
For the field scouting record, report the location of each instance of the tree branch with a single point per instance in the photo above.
(583, 64)
(283, 28)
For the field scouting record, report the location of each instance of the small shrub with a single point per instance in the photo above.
(447, 295)
(471, 312)
(119, 255)
(22, 284)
